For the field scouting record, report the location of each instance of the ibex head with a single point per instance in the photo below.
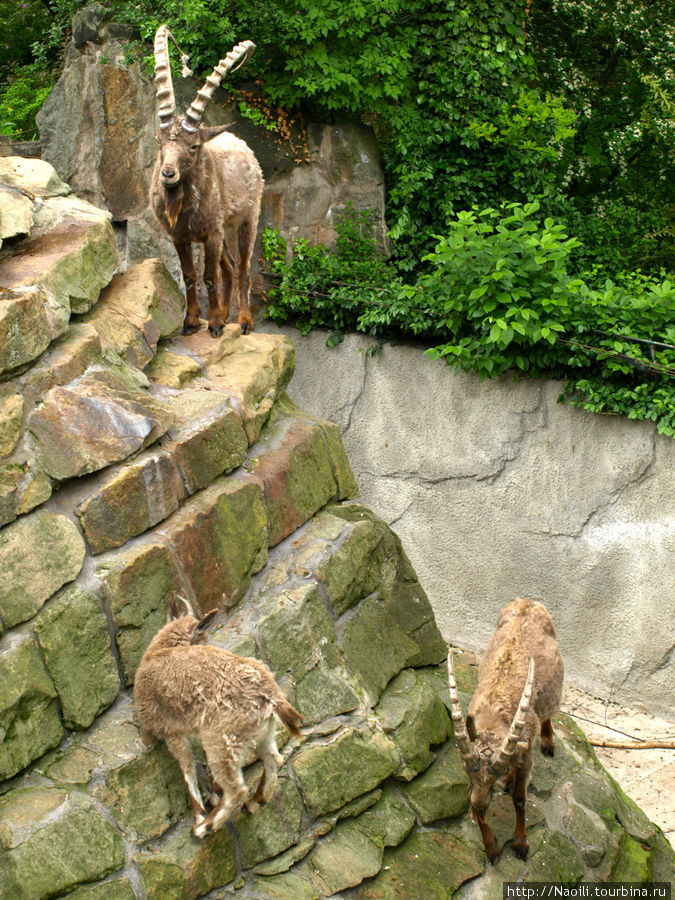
(181, 138)
(183, 627)
(486, 757)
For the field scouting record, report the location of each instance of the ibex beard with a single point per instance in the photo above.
(519, 688)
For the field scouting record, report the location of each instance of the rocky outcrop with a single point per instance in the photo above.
(97, 128)
(166, 464)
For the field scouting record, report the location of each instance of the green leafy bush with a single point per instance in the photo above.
(498, 295)
(21, 101)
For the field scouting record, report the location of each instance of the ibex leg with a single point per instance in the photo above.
(266, 749)
(489, 839)
(187, 266)
(227, 278)
(180, 749)
(212, 255)
(547, 741)
(246, 242)
(227, 775)
(520, 843)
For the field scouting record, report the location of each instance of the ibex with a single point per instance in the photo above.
(186, 690)
(205, 186)
(519, 688)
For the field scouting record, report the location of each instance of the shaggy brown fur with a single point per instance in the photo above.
(206, 187)
(186, 690)
(502, 721)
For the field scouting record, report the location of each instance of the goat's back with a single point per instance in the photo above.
(239, 176)
(524, 629)
(193, 688)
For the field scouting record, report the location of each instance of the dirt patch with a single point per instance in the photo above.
(647, 776)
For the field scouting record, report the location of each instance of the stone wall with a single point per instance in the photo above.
(135, 463)
(498, 491)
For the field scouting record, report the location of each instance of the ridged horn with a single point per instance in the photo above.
(163, 82)
(503, 756)
(469, 754)
(233, 61)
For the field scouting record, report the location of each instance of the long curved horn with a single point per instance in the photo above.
(163, 81)
(469, 754)
(503, 756)
(233, 61)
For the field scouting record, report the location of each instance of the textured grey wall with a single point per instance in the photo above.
(498, 491)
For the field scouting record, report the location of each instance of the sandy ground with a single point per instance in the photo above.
(647, 776)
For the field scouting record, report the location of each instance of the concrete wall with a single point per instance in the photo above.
(498, 491)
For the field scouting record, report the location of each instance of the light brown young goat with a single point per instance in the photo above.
(519, 688)
(185, 689)
(205, 186)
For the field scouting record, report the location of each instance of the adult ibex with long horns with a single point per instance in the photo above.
(519, 688)
(206, 186)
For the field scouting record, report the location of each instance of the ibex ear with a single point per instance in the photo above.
(471, 728)
(208, 132)
(203, 624)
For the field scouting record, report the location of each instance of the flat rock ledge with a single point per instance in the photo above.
(135, 463)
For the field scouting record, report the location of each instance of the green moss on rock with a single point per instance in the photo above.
(333, 773)
(182, 867)
(25, 587)
(73, 634)
(29, 718)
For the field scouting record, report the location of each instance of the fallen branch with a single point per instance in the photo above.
(633, 745)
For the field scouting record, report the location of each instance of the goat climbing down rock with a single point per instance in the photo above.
(206, 187)
(185, 689)
(519, 688)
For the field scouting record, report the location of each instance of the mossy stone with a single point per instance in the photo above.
(296, 630)
(324, 692)
(348, 573)
(146, 795)
(343, 859)
(138, 584)
(333, 773)
(60, 853)
(274, 827)
(25, 587)
(556, 859)
(413, 715)
(429, 865)
(182, 867)
(73, 634)
(633, 861)
(374, 647)
(116, 889)
(441, 791)
(389, 821)
(29, 718)
(288, 886)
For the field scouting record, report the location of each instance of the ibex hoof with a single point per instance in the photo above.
(189, 327)
(493, 854)
(215, 330)
(521, 849)
(246, 328)
(547, 749)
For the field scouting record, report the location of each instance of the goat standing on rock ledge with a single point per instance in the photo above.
(206, 184)
(185, 690)
(502, 723)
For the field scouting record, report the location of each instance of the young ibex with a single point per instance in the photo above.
(205, 185)
(519, 688)
(184, 689)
